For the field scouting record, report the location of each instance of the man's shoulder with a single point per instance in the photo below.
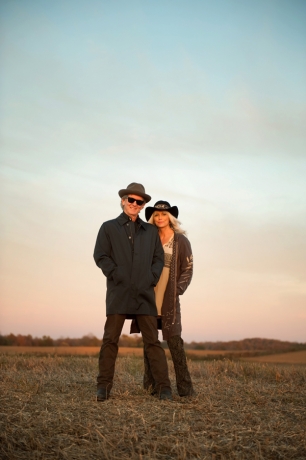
(111, 222)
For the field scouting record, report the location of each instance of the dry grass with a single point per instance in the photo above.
(123, 351)
(241, 411)
(295, 357)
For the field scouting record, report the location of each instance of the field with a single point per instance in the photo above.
(241, 411)
(123, 351)
(297, 357)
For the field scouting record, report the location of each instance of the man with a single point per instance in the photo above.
(130, 255)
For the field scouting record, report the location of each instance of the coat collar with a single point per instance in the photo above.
(124, 218)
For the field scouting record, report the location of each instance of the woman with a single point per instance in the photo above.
(174, 280)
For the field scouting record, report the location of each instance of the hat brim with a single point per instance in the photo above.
(130, 191)
(150, 209)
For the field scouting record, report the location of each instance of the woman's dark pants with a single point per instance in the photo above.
(183, 379)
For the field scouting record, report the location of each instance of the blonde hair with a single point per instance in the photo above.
(175, 224)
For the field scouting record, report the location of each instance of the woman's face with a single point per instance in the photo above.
(161, 219)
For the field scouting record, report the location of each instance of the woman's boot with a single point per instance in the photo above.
(183, 379)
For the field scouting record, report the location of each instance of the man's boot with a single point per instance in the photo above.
(148, 380)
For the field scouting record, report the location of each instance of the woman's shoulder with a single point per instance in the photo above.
(181, 237)
(182, 240)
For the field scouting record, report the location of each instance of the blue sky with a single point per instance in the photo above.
(202, 102)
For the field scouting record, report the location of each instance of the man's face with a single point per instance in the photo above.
(132, 209)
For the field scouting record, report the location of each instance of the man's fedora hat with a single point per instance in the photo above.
(135, 189)
(161, 206)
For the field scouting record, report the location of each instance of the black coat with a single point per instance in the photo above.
(132, 269)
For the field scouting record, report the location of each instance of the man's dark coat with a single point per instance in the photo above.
(132, 263)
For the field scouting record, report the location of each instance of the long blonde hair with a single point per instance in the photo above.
(175, 224)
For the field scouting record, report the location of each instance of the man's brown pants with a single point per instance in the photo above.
(109, 350)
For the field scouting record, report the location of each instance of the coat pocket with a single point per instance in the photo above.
(151, 281)
(118, 275)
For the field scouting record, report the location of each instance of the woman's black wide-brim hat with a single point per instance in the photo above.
(161, 206)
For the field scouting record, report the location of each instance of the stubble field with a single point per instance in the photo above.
(296, 357)
(241, 411)
(123, 351)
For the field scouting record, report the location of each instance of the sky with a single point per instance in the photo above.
(203, 103)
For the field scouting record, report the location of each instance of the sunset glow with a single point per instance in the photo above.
(203, 103)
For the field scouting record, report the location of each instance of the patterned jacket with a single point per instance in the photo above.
(181, 270)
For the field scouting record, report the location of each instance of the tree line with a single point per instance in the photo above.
(258, 344)
(89, 340)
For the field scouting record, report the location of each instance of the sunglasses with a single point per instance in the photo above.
(132, 200)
